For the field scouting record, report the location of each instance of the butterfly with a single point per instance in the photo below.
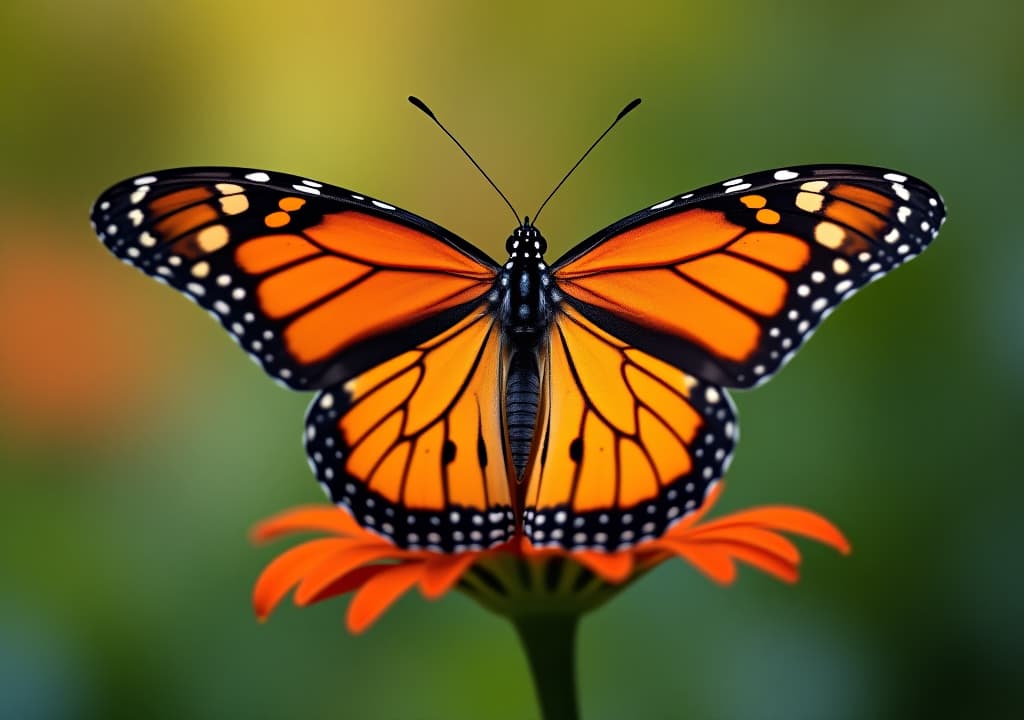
(463, 403)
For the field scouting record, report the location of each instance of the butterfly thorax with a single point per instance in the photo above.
(524, 289)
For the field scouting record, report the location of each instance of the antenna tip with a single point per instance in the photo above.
(422, 106)
(628, 109)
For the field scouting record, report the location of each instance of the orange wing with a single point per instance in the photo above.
(415, 448)
(626, 444)
(317, 283)
(718, 287)
(727, 282)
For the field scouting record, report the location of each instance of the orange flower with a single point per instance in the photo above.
(516, 579)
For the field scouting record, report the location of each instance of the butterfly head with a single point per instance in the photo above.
(526, 241)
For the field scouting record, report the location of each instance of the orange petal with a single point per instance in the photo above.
(349, 582)
(285, 571)
(339, 563)
(611, 567)
(310, 518)
(763, 560)
(788, 519)
(380, 592)
(755, 537)
(709, 559)
(440, 573)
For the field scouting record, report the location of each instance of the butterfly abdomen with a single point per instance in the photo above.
(522, 395)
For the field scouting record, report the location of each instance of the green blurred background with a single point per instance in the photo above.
(137, 446)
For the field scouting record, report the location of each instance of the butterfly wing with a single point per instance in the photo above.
(415, 447)
(626, 444)
(657, 313)
(315, 282)
(383, 311)
(728, 281)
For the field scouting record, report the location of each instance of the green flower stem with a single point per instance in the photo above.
(550, 645)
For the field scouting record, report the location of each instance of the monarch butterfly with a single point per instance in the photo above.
(462, 403)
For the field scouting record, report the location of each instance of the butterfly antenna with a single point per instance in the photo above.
(427, 111)
(625, 111)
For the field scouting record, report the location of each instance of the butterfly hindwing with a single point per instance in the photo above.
(315, 282)
(626, 444)
(415, 447)
(728, 281)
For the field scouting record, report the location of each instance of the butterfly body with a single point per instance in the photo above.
(461, 403)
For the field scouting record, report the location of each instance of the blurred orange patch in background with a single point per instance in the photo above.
(80, 358)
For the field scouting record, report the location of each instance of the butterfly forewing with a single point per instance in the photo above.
(728, 281)
(316, 283)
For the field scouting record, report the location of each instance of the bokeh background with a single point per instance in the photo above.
(137, 446)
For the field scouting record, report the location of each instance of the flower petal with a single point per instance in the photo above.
(349, 581)
(286, 570)
(788, 519)
(310, 518)
(709, 558)
(440, 573)
(765, 540)
(763, 560)
(335, 566)
(380, 592)
(611, 567)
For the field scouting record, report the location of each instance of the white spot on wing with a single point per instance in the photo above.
(661, 205)
(145, 180)
(258, 177)
(785, 175)
(306, 189)
(383, 206)
(895, 177)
